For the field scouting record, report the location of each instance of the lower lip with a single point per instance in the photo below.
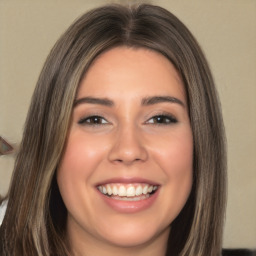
(130, 206)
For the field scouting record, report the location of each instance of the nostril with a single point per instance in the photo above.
(121, 161)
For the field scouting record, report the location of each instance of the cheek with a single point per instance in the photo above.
(81, 156)
(175, 158)
(80, 159)
(175, 153)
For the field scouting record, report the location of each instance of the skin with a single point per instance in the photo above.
(128, 141)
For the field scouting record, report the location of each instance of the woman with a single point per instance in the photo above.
(123, 150)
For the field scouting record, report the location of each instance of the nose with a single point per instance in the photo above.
(127, 147)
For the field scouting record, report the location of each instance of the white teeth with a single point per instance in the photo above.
(104, 190)
(127, 190)
(138, 191)
(122, 191)
(115, 190)
(145, 190)
(130, 191)
(109, 190)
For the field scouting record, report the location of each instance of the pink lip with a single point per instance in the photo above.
(129, 206)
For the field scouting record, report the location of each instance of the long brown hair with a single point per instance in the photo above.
(35, 219)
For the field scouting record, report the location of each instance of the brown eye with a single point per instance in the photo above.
(162, 119)
(93, 120)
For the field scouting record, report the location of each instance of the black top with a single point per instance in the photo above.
(238, 252)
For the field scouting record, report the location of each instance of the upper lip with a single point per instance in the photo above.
(127, 180)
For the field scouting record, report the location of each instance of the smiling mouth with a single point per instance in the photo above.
(128, 192)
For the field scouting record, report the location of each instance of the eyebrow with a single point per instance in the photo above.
(145, 101)
(92, 100)
(161, 99)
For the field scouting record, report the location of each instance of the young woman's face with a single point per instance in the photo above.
(126, 172)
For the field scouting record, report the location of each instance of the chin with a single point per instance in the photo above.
(133, 235)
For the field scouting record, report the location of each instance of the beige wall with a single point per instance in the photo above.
(226, 29)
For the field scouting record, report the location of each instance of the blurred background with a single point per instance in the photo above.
(225, 29)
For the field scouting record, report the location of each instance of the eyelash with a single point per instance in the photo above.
(161, 119)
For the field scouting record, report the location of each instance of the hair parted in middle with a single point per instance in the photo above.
(34, 192)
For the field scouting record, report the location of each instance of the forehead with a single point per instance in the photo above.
(134, 70)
